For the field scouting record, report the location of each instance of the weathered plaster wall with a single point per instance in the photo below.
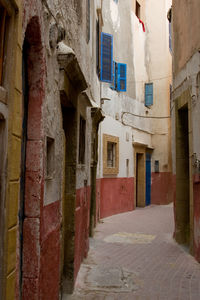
(158, 54)
(72, 15)
(186, 60)
(144, 51)
(184, 31)
(186, 82)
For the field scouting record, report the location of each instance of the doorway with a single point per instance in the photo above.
(2, 204)
(23, 158)
(140, 180)
(148, 179)
(69, 115)
(182, 233)
(32, 160)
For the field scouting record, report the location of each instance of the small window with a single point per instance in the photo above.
(137, 9)
(156, 166)
(148, 94)
(116, 1)
(127, 167)
(82, 129)
(110, 154)
(2, 38)
(50, 158)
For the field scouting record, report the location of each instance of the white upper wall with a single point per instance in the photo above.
(146, 53)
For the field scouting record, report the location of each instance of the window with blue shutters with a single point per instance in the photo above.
(106, 57)
(148, 94)
(121, 77)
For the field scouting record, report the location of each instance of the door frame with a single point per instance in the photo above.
(140, 149)
(148, 179)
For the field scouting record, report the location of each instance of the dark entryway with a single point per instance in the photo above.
(148, 179)
(2, 204)
(69, 115)
(140, 180)
(182, 233)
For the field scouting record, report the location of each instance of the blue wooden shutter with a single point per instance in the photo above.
(106, 57)
(148, 94)
(121, 77)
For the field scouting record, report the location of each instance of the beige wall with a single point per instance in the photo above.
(159, 66)
(186, 27)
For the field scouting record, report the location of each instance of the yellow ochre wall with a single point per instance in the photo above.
(11, 97)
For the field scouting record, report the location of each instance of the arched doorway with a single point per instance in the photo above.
(32, 170)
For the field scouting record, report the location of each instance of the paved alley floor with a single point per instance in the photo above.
(133, 256)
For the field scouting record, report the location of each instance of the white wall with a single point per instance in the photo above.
(148, 59)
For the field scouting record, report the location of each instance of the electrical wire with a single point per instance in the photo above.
(155, 79)
(145, 117)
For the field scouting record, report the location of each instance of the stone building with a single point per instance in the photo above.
(10, 140)
(186, 122)
(56, 87)
(49, 118)
(61, 97)
(135, 145)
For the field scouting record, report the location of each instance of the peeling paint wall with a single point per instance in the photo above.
(65, 182)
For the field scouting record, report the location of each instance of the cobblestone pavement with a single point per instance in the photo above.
(133, 256)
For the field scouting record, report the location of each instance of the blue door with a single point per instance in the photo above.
(148, 179)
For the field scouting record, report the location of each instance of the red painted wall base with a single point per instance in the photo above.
(116, 195)
(50, 251)
(82, 221)
(162, 191)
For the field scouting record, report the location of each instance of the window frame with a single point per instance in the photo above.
(106, 169)
(120, 77)
(147, 94)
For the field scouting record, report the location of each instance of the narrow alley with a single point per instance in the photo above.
(134, 259)
(99, 149)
